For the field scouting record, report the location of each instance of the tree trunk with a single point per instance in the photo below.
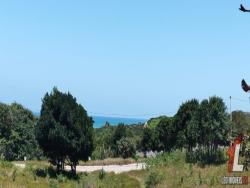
(73, 168)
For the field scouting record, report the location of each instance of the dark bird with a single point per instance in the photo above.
(244, 86)
(242, 8)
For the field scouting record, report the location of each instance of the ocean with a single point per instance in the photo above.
(100, 121)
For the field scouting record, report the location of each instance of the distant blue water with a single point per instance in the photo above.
(100, 121)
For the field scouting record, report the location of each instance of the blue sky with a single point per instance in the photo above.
(131, 58)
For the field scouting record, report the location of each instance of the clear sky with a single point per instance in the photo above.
(133, 58)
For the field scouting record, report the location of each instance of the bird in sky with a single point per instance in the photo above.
(242, 8)
(244, 86)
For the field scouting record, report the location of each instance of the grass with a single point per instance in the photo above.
(41, 175)
(168, 170)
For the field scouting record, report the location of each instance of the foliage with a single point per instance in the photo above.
(17, 138)
(202, 157)
(208, 129)
(165, 159)
(102, 143)
(184, 123)
(119, 141)
(64, 130)
(200, 128)
(162, 137)
(153, 122)
(119, 132)
(241, 122)
(102, 174)
(166, 134)
(153, 179)
(126, 147)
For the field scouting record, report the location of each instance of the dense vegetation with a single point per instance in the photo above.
(17, 138)
(196, 135)
(199, 128)
(118, 141)
(64, 130)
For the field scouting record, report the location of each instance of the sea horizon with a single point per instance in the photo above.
(100, 121)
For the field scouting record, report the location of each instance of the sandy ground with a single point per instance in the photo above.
(117, 169)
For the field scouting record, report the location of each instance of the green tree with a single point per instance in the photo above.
(119, 132)
(182, 120)
(64, 130)
(241, 122)
(214, 122)
(167, 134)
(150, 140)
(102, 143)
(17, 135)
(126, 147)
(207, 130)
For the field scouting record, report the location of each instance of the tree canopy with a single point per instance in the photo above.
(17, 137)
(64, 130)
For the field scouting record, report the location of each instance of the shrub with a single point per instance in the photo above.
(166, 159)
(61, 178)
(41, 172)
(126, 147)
(102, 174)
(203, 157)
(6, 164)
(153, 179)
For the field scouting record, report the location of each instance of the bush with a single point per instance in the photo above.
(153, 179)
(41, 172)
(102, 174)
(203, 157)
(165, 159)
(126, 147)
(101, 153)
(6, 164)
(61, 178)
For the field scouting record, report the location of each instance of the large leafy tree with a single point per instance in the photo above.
(126, 147)
(120, 132)
(214, 122)
(182, 121)
(161, 137)
(150, 139)
(167, 134)
(64, 130)
(209, 129)
(241, 122)
(17, 138)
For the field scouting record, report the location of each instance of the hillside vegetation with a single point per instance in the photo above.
(192, 145)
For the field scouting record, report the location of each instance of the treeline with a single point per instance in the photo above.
(117, 141)
(64, 132)
(200, 129)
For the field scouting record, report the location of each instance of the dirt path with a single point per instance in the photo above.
(117, 169)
